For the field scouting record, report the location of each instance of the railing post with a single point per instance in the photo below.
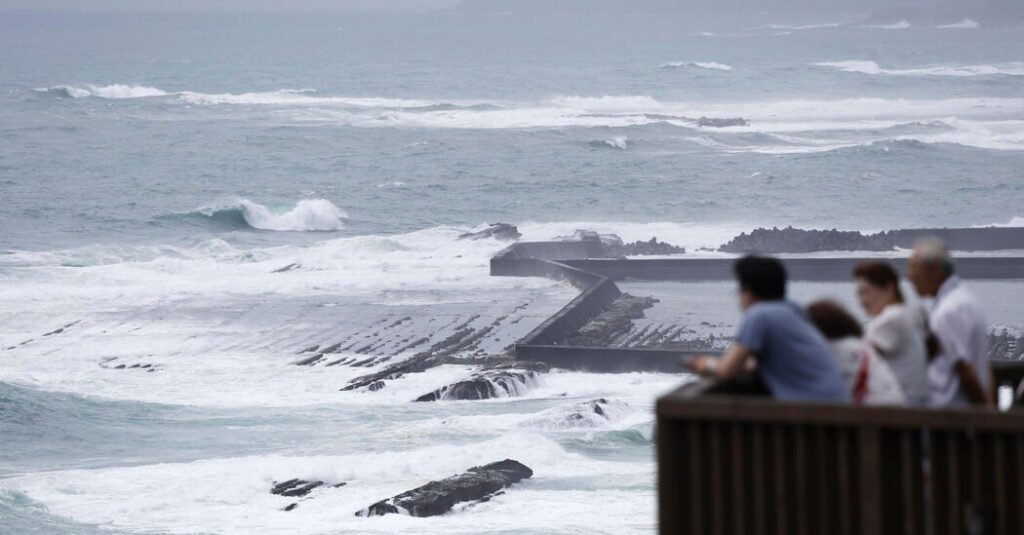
(870, 479)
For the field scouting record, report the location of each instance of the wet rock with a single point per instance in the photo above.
(650, 247)
(613, 246)
(717, 122)
(497, 231)
(791, 240)
(591, 414)
(295, 487)
(503, 380)
(287, 268)
(438, 497)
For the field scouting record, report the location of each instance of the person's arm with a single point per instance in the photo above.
(731, 364)
(971, 385)
(955, 354)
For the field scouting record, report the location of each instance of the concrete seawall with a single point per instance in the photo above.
(581, 264)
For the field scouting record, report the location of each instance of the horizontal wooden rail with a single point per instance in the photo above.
(733, 464)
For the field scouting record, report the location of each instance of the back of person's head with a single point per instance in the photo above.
(932, 252)
(763, 277)
(881, 275)
(833, 320)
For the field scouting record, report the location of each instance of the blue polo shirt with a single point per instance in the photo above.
(793, 358)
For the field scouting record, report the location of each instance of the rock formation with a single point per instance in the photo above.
(438, 497)
(497, 231)
(715, 122)
(614, 246)
(503, 380)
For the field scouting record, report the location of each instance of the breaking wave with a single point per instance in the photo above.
(871, 67)
(307, 215)
(617, 142)
(115, 91)
(698, 64)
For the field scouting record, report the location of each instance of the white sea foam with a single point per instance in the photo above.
(231, 495)
(837, 124)
(617, 142)
(306, 97)
(699, 64)
(966, 24)
(901, 25)
(871, 67)
(801, 26)
(115, 91)
(307, 215)
(1015, 221)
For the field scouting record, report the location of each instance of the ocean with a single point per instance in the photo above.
(189, 201)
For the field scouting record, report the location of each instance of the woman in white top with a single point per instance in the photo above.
(871, 381)
(897, 331)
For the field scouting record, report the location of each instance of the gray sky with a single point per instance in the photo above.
(229, 5)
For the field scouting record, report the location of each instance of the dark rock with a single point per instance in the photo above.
(791, 240)
(295, 487)
(652, 247)
(1005, 345)
(497, 231)
(613, 246)
(715, 122)
(291, 507)
(375, 386)
(287, 268)
(438, 497)
(503, 380)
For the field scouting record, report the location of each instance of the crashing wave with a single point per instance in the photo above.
(115, 91)
(871, 67)
(306, 216)
(617, 142)
(711, 65)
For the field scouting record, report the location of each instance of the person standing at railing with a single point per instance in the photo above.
(959, 374)
(793, 359)
(896, 330)
(869, 378)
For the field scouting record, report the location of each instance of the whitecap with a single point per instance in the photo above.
(114, 91)
(617, 142)
(901, 25)
(306, 215)
(871, 67)
(699, 64)
(966, 24)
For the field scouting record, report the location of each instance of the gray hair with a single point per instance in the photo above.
(933, 252)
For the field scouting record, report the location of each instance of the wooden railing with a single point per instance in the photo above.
(732, 464)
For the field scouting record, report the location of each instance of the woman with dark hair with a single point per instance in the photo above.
(870, 380)
(896, 330)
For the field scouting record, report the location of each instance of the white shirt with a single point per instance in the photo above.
(859, 362)
(959, 324)
(898, 333)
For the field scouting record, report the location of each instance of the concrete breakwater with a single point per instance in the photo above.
(585, 265)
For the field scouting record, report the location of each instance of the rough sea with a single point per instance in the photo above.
(158, 172)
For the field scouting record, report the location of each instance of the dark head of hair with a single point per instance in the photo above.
(762, 276)
(879, 274)
(833, 320)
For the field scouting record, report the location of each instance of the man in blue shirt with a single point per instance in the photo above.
(793, 359)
